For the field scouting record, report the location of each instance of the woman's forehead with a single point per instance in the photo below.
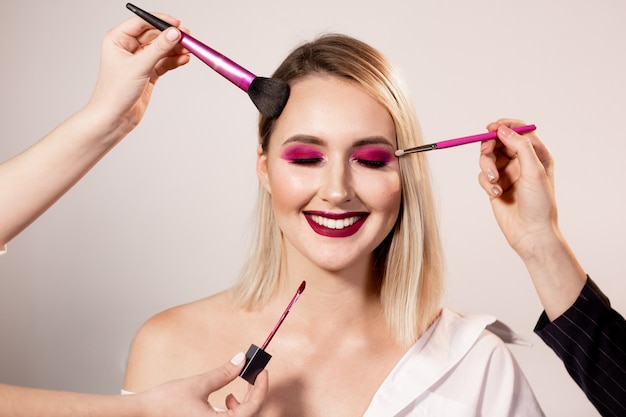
(327, 106)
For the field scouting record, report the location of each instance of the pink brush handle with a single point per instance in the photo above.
(227, 68)
(483, 136)
(230, 70)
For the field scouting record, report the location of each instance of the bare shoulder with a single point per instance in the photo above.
(178, 321)
(171, 344)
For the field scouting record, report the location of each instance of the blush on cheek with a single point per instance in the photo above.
(292, 187)
(383, 196)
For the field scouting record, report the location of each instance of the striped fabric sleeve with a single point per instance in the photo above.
(590, 339)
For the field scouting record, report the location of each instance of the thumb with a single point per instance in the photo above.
(535, 160)
(519, 146)
(221, 376)
(161, 46)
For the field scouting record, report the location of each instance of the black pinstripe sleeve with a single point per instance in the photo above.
(590, 338)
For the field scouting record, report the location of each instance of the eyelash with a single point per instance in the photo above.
(368, 163)
(307, 161)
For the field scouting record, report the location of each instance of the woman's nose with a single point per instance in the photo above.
(336, 186)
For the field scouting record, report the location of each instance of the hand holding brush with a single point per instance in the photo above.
(269, 95)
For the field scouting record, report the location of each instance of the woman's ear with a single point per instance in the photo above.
(261, 169)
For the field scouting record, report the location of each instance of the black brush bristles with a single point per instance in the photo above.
(269, 95)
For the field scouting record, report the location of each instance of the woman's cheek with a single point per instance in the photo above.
(291, 185)
(381, 190)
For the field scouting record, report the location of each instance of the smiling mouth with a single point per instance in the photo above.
(335, 225)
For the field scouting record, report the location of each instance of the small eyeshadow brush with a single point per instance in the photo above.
(461, 141)
(269, 95)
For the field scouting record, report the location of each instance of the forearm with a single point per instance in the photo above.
(28, 402)
(556, 274)
(33, 180)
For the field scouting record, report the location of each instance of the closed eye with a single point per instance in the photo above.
(302, 154)
(371, 163)
(306, 161)
(372, 157)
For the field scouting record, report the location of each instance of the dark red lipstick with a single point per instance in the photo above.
(328, 224)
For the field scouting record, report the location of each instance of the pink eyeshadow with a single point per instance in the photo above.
(373, 153)
(301, 152)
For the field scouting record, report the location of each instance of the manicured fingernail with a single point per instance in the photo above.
(490, 174)
(172, 35)
(496, 191)
(504, 131)
(238, 358)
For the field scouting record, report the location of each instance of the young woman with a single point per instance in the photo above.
(336, 208)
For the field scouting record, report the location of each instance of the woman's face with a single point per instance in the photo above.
(331, 171)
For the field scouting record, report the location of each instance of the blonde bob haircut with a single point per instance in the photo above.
(408, 261)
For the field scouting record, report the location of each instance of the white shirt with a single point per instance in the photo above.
(459, 368)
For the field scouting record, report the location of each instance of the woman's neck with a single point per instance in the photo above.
(349, 296)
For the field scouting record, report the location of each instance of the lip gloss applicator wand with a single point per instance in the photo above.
(461, 141)
(269, 95)
(257, 357)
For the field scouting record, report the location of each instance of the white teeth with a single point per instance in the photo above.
(335, 224)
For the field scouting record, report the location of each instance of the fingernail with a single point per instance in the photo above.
(238, 358)
(490, 174)
(172, 35)
(504, 131)
(496, 191)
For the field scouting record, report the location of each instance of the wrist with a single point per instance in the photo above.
(540, 247)
(557, 276)
(137, 405)
(107, 127)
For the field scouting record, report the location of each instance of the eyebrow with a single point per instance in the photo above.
(313, 140)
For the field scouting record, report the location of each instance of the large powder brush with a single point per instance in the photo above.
(269, 95)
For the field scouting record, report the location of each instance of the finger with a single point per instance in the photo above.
(254, 397)
(509, 175)
(525, 147)
(161, 46)
(540, 149)
(493, 126)
(492, 190)
(169, 63)
(494, 157)
(492, 149)
(257, 392)
(498, 170)
(231, 402)
(135, 32)
(487, 160)
(221, 376)
(136, 26)
(510, 123)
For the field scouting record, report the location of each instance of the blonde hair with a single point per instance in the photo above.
(409, 258)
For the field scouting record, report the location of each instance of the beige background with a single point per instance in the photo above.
(164, 218)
